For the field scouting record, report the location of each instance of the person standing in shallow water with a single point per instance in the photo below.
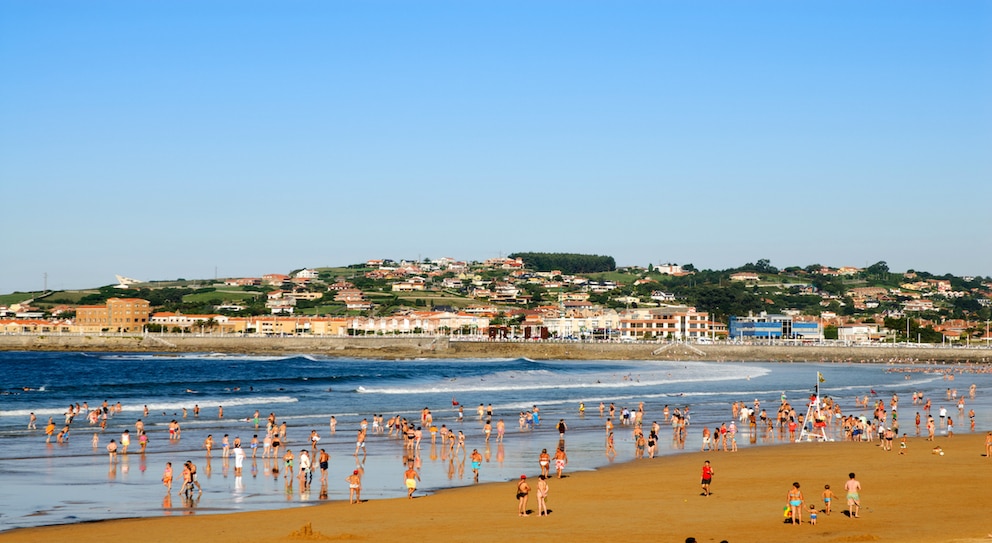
(410, 479)
(561, 459)
(545, 462)
(323, 461)
(476, 464)
(167, 478)
(354, 487)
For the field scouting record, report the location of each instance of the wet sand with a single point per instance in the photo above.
(917, 497)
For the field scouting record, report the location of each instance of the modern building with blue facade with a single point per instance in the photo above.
(765, 326)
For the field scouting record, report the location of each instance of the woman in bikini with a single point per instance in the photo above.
(796, 504)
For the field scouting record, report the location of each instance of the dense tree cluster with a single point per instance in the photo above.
(568, 263)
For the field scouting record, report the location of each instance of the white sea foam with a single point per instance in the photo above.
(168, 407)
(202, 356)
(543, 379)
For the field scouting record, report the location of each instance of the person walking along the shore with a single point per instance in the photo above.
(410, 478)
(476, 464)
(545, 462)
(167, 478)
(561, 459)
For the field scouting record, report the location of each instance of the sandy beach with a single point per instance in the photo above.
(916, 497)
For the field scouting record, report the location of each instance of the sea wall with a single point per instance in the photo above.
(720, 353)
(366, 347)
(396, 347)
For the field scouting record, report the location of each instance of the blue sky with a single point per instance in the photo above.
(168, 139)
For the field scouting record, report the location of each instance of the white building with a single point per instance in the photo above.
(583, 326)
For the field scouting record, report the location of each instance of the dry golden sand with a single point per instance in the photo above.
(918, 497)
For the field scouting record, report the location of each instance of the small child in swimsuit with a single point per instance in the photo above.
(828, 496)
(812, 514)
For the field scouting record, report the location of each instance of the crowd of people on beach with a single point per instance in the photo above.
(821, 418)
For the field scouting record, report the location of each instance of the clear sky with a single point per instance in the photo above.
(160, 140)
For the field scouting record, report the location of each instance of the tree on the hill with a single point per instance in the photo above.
(878, 271)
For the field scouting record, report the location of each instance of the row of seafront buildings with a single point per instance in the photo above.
(672, 322)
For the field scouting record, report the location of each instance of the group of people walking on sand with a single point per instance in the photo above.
(794, 510)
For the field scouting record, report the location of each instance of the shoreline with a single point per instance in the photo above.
(651, 488)
(917, 497)
(398, 348)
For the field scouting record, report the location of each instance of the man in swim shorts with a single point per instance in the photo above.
(323, 461)
(560, 460)
(853, 488)
(523, 490)
(476, 463)
(194, 478)
(412, 477)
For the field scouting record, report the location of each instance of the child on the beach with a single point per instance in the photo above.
(902, 445)
(812, 515)
(167, 477)
(828, 497)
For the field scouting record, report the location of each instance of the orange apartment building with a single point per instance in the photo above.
(118, 315)
(666, 322)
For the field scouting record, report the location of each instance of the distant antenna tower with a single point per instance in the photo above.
(46, 282)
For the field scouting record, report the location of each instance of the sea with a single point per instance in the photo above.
(50, 483)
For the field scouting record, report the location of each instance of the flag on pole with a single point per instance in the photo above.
(820, 377)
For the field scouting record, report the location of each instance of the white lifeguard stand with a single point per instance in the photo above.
(815, 422)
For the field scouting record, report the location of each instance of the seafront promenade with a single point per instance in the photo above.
(400, 347)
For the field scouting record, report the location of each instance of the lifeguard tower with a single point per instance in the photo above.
(815, 422)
